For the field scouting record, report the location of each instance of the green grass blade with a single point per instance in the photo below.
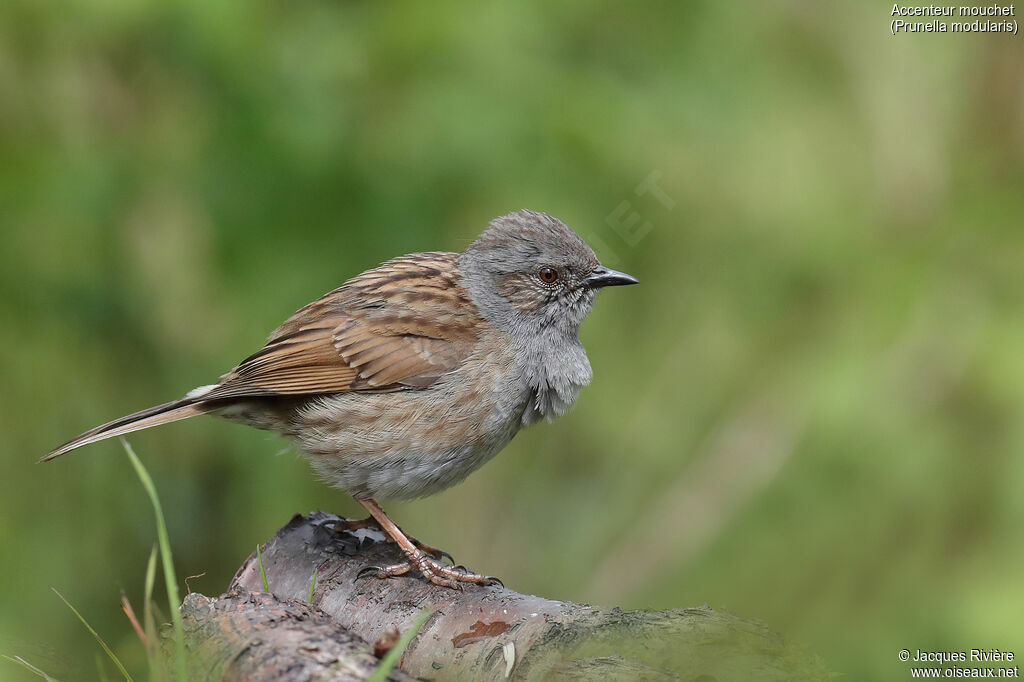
(312, 585)
(148, 624)
(95, 634)
(156, 670)
(18, 660)
(390, 659)
(148, 597)
(263, 574)
(168, 563)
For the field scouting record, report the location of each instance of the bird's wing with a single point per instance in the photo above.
(401, 325)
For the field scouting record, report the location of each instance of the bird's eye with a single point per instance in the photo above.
(547, 275)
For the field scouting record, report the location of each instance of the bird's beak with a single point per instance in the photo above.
(606, 277)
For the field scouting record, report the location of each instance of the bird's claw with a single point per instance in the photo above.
(433, 570)
(377, 571)
(491, 580)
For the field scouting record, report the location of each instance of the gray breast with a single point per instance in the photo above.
(554, 378)
(416, 442)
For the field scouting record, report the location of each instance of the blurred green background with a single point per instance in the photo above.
(809, 412)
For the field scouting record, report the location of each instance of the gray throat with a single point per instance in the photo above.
(553, 365)
(554, 373)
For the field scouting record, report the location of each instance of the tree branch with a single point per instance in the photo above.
(485, 633)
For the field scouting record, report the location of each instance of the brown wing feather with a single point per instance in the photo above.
(403, 324)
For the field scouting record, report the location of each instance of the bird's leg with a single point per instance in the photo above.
(370, 522)
(432, 569)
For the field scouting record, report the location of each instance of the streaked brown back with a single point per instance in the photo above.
(403, 324)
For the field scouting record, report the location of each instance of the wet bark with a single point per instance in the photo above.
(479, 633)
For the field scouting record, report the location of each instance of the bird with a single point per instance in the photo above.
(411, 375)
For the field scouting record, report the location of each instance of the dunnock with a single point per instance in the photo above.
(411, 375)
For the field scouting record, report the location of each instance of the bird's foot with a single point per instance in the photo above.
(431, 551)
(433, 570)
(370, 522)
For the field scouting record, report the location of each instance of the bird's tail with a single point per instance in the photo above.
(154, 416)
